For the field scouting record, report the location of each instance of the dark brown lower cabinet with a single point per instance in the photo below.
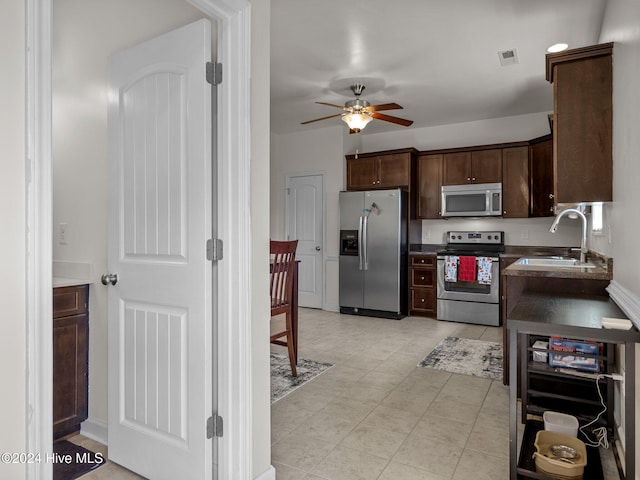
(70, 359)
(422, 286)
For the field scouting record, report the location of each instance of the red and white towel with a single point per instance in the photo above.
(484, 270)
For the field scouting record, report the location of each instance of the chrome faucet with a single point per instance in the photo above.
(583, 242)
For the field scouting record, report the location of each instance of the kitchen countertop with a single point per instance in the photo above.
(424, 248)
(603, 269)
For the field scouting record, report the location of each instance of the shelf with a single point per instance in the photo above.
(543, 368)
(526, 465)
(583, 416)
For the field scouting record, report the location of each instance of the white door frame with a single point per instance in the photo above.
(234, 286)
(324, 221)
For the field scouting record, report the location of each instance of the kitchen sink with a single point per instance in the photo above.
(557, 262)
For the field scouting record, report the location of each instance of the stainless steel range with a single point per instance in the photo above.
(469, 277)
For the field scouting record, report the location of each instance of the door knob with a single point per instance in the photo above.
(109, 278)
(317, 248)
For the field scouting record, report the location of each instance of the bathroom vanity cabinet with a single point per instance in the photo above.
(70, 359)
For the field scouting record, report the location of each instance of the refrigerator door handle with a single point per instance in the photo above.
(365, 230)
(360, 242)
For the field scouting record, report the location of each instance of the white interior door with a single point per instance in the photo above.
(160, 217)
(305, 223)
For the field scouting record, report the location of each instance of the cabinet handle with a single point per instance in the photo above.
(504, 213)
(551, 195)
(468, 179)
(422, 300)
(422, 261)
(421, 278)
(474, 179)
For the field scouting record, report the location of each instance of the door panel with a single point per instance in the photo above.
(160, 311)
(382, 287)
(305, 223)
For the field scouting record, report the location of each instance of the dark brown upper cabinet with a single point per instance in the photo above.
(476, 166)
(582, 123)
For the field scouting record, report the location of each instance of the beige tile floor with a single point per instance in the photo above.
(375, 415)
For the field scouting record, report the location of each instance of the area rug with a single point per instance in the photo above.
(283, 383)
(72, 461)
(466, 356)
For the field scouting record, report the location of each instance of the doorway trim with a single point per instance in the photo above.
(235, 456)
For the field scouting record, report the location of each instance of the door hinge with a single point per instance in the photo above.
(214, 73)
(214, 249)
(214, 426)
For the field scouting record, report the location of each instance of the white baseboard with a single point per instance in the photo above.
(270, 474)
(331, 308)
(95, 430)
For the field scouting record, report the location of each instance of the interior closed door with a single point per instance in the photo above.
(305, 223)
(160, 217)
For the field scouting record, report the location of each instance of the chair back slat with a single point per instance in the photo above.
(283, 261)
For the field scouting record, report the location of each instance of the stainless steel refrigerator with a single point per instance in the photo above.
(373, 253)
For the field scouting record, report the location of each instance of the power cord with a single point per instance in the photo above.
(600, 432)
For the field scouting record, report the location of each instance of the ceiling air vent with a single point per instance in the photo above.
(508, 57)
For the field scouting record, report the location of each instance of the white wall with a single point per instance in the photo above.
(315, 151)
(260, 299)
(12, 239)
(481, 132)
(622, 26)
(85, 33)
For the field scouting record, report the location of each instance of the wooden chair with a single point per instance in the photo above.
(283, 262)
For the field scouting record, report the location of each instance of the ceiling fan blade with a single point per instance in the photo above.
(332, 105)
(318, 119)
(384, 106)
(389, 118)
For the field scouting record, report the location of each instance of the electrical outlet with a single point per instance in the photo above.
(63, 233)
(525, 234)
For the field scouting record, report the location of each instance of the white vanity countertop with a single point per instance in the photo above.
(69, 282)
(71, 274)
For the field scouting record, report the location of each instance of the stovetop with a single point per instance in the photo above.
(486, 244)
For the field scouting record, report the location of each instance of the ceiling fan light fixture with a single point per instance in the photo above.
(356, 121)
(557, 47)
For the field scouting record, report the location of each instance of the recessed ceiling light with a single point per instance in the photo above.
(558, 47)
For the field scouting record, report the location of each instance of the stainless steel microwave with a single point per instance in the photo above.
(472, 200)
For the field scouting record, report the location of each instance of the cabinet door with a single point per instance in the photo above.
(394, 170)
(582, 126)
(423, 302)
(457, 168)
(362, 173)
(541, 179)
(429, 186)
(70, 371)
(515, 182)
(486, 166)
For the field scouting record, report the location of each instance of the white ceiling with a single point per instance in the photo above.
(437, 58)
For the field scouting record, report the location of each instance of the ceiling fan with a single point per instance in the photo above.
(358, 113)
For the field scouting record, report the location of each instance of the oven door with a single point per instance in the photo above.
(469, 291)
